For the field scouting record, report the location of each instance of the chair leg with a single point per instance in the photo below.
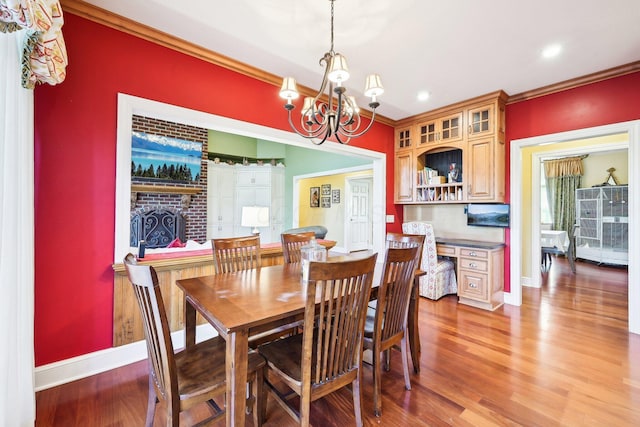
(305, 408)
(405, 362)
(357, 397)
(264, 392)
(151, 404)
(377, 406)
(259, 398)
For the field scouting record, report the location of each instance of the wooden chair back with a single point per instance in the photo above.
(236, 254)
(333, 329)
(400, 240)
(156, 327)
(291, 244)
(394, 292)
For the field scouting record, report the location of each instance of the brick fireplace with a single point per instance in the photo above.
(187, 199)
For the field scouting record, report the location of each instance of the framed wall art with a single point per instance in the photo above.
(335, 196)
(326, 189)
(314, 197)
(325, 201)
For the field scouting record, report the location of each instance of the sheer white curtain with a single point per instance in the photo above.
(17, 397)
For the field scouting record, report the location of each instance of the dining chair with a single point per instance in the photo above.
(291, 244)
(236, 254)
(193, 375)
(328, 354)
(440, 278)
(401, 240)
(386, 325)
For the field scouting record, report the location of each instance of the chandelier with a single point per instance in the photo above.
(340, 115)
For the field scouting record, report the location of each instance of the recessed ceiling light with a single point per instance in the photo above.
(423, 96)
(551, 51)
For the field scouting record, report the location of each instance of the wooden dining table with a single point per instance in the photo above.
(241, 304)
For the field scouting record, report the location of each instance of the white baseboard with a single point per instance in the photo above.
(64, 371)
(531, 282)
(510, 299)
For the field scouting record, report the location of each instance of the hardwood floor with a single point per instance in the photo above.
(564, 358)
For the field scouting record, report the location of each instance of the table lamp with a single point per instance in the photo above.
(255, 216)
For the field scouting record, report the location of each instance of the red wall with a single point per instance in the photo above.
(75, 168)
(611, 101)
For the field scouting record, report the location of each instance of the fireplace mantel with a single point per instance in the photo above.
(186, 192)
(150, 188)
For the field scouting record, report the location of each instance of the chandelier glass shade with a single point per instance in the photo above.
(331, 112)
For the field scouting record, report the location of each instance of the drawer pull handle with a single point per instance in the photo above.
(473, 285)
(473, 265)
(473, 253)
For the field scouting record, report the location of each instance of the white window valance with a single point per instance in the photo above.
(44, 55)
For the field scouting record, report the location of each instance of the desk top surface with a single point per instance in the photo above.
(469, 243)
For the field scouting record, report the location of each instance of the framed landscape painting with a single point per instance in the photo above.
(156, 157)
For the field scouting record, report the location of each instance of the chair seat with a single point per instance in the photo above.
(285, 355)
(201, 367)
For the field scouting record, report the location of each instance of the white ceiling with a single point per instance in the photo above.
(454, 49)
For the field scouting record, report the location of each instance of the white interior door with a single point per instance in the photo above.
(358, 224)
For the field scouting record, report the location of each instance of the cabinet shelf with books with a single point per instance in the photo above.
(440, 193)
(439, 176)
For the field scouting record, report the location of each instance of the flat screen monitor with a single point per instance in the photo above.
(488, 215)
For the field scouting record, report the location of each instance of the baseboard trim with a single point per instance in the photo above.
(75, 368)
(510, 299)
(530, 282)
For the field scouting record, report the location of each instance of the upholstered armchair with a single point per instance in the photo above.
(440, 277)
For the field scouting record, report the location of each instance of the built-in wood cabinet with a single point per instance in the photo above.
(404, 139)
(480, 277)
(403, 181)
(481, 121)
(473, 132)
(440, 130)
(479, 270)
(486, 170)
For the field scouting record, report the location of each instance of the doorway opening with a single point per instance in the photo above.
(525, 251)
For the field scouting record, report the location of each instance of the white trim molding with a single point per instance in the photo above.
(75, 368)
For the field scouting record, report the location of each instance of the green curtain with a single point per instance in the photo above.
(564, 201)
(563, 179)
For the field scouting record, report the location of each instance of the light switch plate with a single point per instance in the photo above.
(391, 219)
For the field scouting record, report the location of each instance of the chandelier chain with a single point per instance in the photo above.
(331, 51)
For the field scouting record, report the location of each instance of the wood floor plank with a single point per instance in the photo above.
(563, 358)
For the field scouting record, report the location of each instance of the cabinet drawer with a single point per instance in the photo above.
(473, 264)
(473, 286)
(475, 253)
(446, 250)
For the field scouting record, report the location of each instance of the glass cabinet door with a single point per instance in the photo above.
(481, 121)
